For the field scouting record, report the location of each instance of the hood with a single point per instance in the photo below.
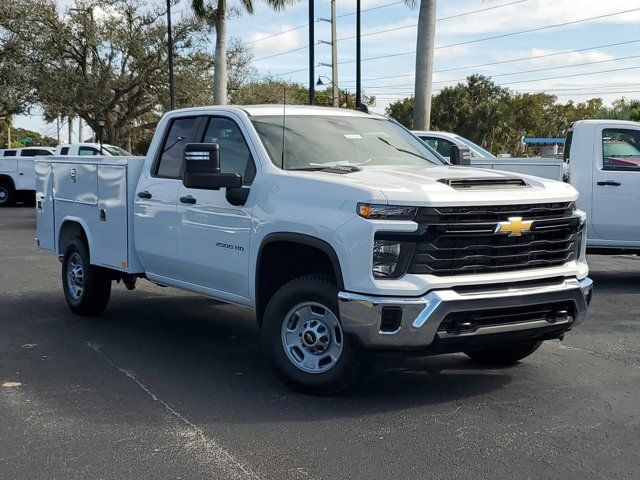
(453, 185)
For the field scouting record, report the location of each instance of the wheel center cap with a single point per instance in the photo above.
(309, 338)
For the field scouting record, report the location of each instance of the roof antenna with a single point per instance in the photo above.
(284, 115)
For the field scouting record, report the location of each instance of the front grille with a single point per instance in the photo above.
(461, 240)
(461, 322)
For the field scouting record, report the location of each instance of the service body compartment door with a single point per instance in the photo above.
(110, 236)
(44, 206)
(26, 174)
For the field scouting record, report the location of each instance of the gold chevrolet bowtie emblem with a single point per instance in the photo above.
(514, 227)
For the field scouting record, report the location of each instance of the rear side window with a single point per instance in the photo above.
(33, 152)
(88, 151)
(443, 147)
(621, 149)
(235, 156)
(181, 132)
(64, 151)
(10, 153)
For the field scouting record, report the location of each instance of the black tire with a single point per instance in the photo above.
(7, 195)
(93, 297)
(504, 356)
(316, 289)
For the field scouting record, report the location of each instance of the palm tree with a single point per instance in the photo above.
(424, 62)
(216, 16)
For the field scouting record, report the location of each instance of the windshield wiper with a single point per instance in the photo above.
(403, 150)
(328, 168)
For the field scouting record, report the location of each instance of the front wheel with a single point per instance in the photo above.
(504, 356)
(87, 288)
(303, 338)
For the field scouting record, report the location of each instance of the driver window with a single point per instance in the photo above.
(443, 147)
(621, 149)
(235, 156)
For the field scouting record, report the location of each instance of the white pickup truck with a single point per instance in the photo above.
(545, 167)
(17, 176)
(346, 234)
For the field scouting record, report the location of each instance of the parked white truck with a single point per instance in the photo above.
(345, 233)
(17, 176)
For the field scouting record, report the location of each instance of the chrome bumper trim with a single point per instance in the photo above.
(421, 316)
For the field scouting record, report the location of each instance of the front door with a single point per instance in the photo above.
(213, 238)
(616, 184)
(156, 222)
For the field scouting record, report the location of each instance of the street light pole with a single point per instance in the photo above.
(358, 57)
(172, 105)
(312, 71)
(101, 121)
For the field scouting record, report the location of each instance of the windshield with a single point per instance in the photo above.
(316, 142)
(476, 147)
(116, 151)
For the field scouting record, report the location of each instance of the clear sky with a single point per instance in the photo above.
(600, 69)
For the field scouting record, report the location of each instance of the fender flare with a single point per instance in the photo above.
(83, 225)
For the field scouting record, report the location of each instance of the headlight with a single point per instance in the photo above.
(386, 212)
(390, 258)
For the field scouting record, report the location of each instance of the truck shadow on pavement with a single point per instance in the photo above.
(206, 358)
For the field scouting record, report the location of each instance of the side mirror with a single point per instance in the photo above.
(460, 155)
(201, 168)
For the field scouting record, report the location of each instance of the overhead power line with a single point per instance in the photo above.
(516, 73)
(307, 24)
(504, 35)
(463, 14)
(513, 60)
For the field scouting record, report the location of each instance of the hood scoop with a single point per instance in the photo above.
(484, 183)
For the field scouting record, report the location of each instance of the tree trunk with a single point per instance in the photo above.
(424, 64)
(220, 60)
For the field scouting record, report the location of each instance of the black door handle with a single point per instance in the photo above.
(610, 183)
(144, 194)
(188, 199)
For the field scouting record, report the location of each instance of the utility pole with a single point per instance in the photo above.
(358, 56)
(312, 41)
(334, 56)
(335, 92)
(70, 130)
(8, 133)
(79, 130)
(58, 127)
(172, 104)
(424, 64)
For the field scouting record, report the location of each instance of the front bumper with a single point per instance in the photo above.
(417, 319)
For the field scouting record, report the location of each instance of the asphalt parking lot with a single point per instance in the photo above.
(172, 385)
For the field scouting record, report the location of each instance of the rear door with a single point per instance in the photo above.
(213, 241)
(616, 183)
(26, 167)
(156, 223)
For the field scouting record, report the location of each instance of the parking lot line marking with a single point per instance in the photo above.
(224, 460)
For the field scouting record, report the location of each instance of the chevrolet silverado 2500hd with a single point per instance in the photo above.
(347, 235)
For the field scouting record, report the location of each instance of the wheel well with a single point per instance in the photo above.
(7, 180)
(281, 261)
(68, 230)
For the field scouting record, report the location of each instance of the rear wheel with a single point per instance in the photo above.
(87, 288)
(504, 356)
(302, 336)
(7, 195)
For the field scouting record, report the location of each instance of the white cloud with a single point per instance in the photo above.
(263, 46)
(533, 14)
